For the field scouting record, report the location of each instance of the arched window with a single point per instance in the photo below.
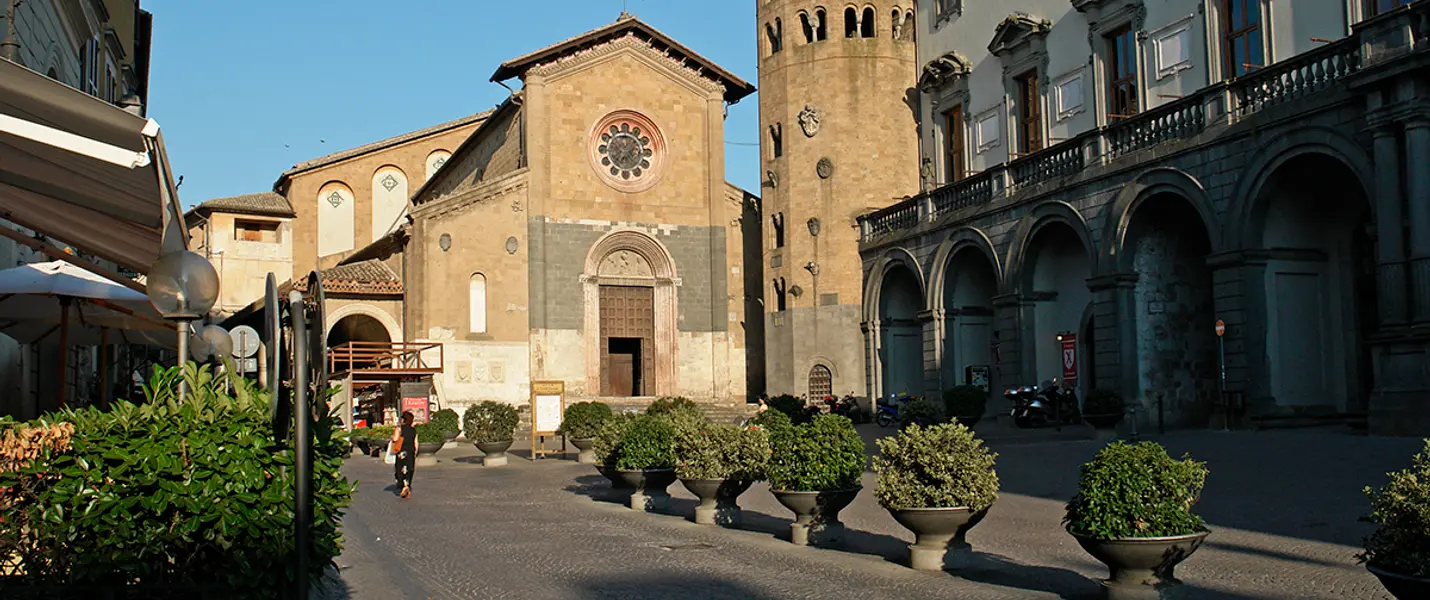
(807, 27)
(477, 303)
(896, 24)
(389, 200)
(851, 22)
(436, 160)
(773, 32)
(779, 35)
(911, 33)
(779, 294)
(777, 140)
(821, 25)
(866, 27)
(335, 219)
(821, 383)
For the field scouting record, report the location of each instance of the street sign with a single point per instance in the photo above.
(248, 365)
(1220, 328)
(245, 341)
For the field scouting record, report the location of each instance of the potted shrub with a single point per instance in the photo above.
(378, 439)
(923, 412)
(580, 423)
(430, 439)
(490, 426)
(717, 463)
(446, 420)
(791, 406)
(1103, 409)
(645, 460)
(965, 403)
(670, 404)
(359, 437)
(1133, 512)
(1398, 552)
(605, 444)
(937, 482)
(814, 471)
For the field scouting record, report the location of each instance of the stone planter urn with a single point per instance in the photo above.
(719, 500)
(584, 455)
(427, 454)
(648, 488)
(936, 532)
(816, 515)
(1401, 586)
(451, 435)
(1140, 565)
(495, 452)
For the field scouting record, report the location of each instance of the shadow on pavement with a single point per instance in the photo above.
(993, 569)
(627, 586)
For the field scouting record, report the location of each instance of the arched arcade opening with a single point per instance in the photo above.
(901, 332)
(1057, 267)
(969, 285)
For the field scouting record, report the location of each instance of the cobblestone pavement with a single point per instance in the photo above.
(1282, 507)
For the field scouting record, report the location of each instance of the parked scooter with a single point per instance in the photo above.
(1061, 402)
(1028, 409)
(847, 407)
(888, 412)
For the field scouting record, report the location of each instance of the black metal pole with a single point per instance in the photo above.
(302, 415)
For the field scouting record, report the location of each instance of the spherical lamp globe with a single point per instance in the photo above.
(217, 341)
(182, 285)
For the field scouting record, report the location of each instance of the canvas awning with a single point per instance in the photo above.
(85, 172)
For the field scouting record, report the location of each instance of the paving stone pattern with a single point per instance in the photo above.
(1282, 506)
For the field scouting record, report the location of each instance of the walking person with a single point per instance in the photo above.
(404, 441)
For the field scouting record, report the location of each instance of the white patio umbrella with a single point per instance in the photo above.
(60, 299)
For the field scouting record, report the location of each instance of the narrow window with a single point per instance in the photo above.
(1241, 38)
(780, 295)
(777, 144)
(779, 35)
(866, 28)
(821, 25)
(807, 27)
(1030, 114)
(910, 32)
(896, 24)
(777, 222)
(1375, 7)
(953, 143)
(1121, 73)
(770, 35)
(477, 299)
(851, 22)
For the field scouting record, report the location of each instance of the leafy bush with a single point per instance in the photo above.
(359, 434)
(791, 406)
(670, 404)
(490, 422)
(965, 401)
(1102, 402)
(583, 419)
(380, 435)
(193, 493)
(649, 443)
(430, 433)
(824, 454)
(942, 466)
(446, 419)
(722, 452)
(607, 441)
(1401, 510)
(920, 410)
(1136, 490)
(772, 419)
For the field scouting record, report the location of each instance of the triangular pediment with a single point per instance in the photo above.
(628, 26)
(1015, 30)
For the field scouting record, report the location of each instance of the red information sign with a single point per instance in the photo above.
(1069, 356)
(1220, 328)
(418, 406)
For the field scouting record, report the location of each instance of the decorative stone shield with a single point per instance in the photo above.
(809, 120)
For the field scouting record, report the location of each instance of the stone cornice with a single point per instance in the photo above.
(674, 65)
(464, 201)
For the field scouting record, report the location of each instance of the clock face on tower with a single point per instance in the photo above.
(627, 151)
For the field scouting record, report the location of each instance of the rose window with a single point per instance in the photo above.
(625, 152)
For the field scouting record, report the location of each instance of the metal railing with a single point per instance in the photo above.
(1293, 79)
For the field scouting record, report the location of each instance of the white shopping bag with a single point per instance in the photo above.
(391, 456)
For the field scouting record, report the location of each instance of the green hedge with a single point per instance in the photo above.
(943, 466)
(490, 422)
(447, 420)
(582, 420)
(648, 443)
(1136, 490)
(431, 433)
(191, 493)
(824, 454)
(722, 452)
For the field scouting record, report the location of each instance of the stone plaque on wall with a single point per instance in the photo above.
(497, 370)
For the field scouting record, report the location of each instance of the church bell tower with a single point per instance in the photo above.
(838, 139)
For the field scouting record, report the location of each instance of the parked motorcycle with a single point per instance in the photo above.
(888, 412)
(1028, 409)
(1062, 402)
(847, 407)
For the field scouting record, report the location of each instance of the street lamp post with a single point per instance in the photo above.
(182, 286)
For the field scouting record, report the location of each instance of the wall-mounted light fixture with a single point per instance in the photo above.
(812, 267)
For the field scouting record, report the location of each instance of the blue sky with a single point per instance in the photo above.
(233, 82)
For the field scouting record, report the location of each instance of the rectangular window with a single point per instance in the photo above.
(953, 144)
(1121, 73)
(1241, 37)
(1376, 7)
(1030, 114)
(255, 231)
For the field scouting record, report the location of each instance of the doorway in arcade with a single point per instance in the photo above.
(1057, 285)
(901, 347)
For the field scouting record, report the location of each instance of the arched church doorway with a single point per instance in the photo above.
(901, 349)
(1058, 267)
(1313, 216)
(968, 289)
(1176, 350)
(630, 322)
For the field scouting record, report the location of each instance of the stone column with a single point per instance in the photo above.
(1417, 187)
(1115, 333)
(874, 364)
(940, 347)
(1390, 246)
(932, 358)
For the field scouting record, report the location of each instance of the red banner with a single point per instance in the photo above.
(1069, 357)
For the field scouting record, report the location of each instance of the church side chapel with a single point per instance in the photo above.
(585, 232)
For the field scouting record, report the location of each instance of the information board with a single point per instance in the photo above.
(548, 402)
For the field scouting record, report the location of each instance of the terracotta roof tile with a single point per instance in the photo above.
(365, 277)
(262, 203)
